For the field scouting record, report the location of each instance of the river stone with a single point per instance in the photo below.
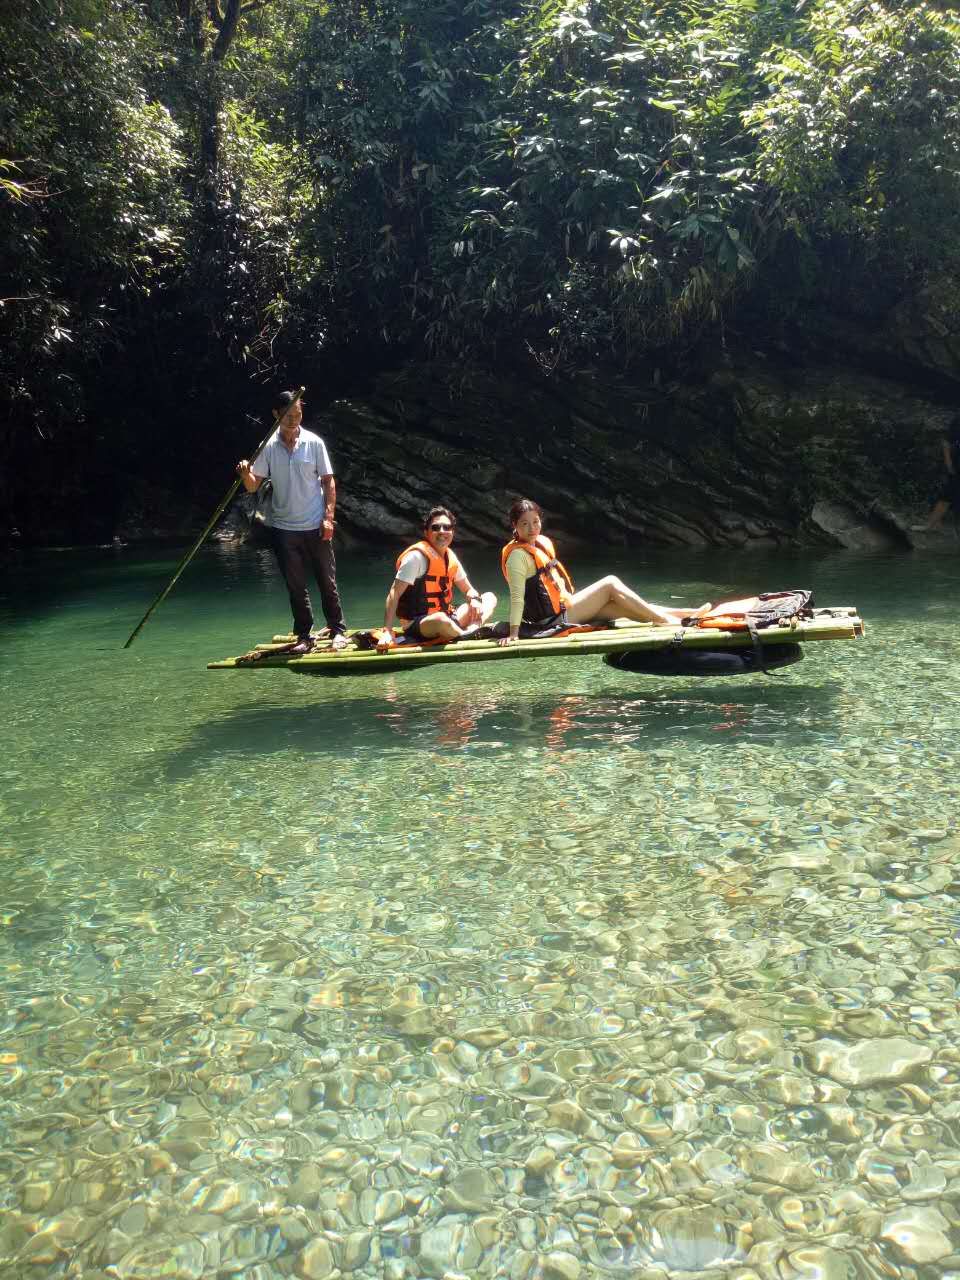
(35, 1196)
(388, 1206)
(241, 1247)
(880, 1170)
(487, 1230)
(526, 1229)
(294, 1228)
(817, 1262)
(529, 1082)
(485, 1037)
(908, 1137)
(44, 1249)
(868, 1024)
(560, 1266)
(222, 1196)
(315, 1261)
(173, 1260)
(449, 1245)
(919, 1234)
(473, 1190)
(539, 1161)
(846, 1125)
(691, 1239)
(522, 1264)
(432, 1118)
(356, 1250)
(628, 1152)
(800, 1217)
(306, 1187)
(867, 1062)
(134, 1221)
(466, 1056)
(770, 1165)
(716, 1165)
(567, 1115)
(927, 1182)
(422, 1160)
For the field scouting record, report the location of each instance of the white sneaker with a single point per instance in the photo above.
(339, 642)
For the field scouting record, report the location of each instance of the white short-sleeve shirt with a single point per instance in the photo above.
(298, 501)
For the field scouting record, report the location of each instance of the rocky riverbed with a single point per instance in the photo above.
(534, 972)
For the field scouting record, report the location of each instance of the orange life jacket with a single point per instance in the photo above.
(549, 589)
(722, 622)
(434, 590)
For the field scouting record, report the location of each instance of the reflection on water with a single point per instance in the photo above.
(546, 971)
(399, 719)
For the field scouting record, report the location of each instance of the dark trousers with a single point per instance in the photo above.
(299, 551)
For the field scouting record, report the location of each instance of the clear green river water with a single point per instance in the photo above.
(530, 970)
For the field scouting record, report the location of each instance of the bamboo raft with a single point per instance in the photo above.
(839, 623)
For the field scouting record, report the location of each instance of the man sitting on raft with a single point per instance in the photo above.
(542, 595)
(422, 592)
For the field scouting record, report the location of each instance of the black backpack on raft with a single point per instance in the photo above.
(774, 607)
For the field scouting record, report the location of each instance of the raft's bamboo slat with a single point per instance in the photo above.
(617, 624)
(825, 625)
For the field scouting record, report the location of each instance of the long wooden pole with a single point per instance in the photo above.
(231, 493)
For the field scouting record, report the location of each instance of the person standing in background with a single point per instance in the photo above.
(949, 495)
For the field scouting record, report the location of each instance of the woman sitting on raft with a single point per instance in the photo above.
(542, 595)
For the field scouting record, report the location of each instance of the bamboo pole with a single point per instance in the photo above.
(230, 494)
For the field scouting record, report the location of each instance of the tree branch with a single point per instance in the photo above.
(228, 29)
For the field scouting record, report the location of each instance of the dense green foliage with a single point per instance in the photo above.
(196, 189)
(596, 179)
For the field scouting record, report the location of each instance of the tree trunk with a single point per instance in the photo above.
(211, 105)
(228, 29)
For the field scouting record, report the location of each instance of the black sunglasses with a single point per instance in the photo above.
(441, 528)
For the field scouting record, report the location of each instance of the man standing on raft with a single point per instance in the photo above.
(422, 592)
(297, 464)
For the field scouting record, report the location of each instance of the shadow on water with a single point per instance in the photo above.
(477, 721)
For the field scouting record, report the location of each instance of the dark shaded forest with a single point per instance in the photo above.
(719, 234)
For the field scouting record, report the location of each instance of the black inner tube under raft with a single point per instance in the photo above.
(675, 661)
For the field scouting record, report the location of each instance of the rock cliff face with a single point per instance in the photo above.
(749, 455)
(822, 429)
